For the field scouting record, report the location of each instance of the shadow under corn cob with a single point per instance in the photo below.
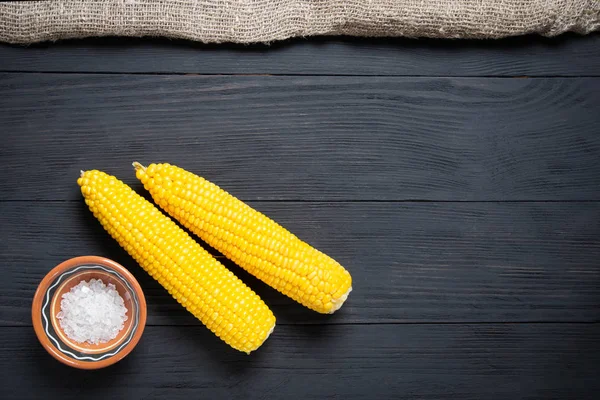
(197, 280)
(248, 237)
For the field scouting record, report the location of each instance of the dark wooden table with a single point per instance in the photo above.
(459, 183)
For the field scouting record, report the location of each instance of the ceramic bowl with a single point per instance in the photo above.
(46, 306)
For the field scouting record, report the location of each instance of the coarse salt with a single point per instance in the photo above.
(92, 312)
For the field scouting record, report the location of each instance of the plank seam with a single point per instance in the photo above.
(337, 201)
(595, 322)
(191, 74)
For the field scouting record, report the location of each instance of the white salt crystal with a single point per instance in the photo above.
(92, 312)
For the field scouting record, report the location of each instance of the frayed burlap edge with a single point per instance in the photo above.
(264, 21)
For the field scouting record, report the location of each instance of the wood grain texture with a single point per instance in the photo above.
(308, 138)
(461, 297)
(316, 362)
(567, 55)
(411, 262)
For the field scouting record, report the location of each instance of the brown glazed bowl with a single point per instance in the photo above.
(46, 305)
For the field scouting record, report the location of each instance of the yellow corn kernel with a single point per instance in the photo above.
(248, 238)
(199, 282)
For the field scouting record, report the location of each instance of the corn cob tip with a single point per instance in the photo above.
(81, 172)
(138, 166)
(265, 339)
(337, 304)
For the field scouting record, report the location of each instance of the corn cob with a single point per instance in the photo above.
(198, 281)
(248, 237)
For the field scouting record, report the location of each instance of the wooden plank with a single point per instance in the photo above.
(568, 55)
(538, 361)
(411, 262)
(308, 138)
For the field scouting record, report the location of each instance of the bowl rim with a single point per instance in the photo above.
(36, 311)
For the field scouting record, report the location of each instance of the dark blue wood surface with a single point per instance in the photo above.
(458, 181)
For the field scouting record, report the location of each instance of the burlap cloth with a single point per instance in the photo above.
(248, 21)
